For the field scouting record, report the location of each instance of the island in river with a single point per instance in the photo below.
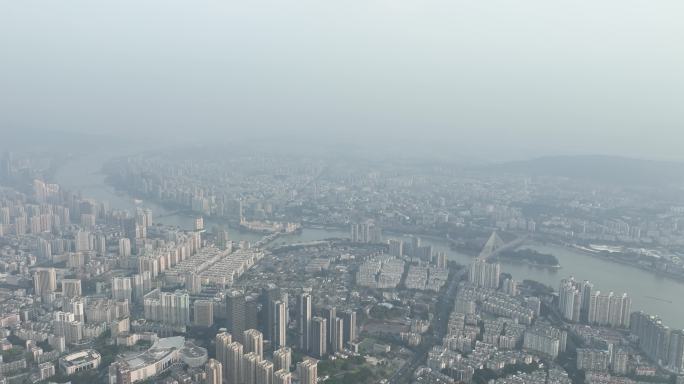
(529, 256)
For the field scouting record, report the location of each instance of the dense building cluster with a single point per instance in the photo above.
(582, 302)
(658, 341)
(91, 292)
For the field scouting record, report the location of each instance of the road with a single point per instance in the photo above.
(445, 304)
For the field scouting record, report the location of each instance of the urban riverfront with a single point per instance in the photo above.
(651, 293)
(356, 267)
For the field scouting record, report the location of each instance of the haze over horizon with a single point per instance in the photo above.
(495, 80)
(342, 191)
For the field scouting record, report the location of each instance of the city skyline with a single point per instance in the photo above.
(342, 192)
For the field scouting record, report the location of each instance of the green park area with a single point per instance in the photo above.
(354, 370)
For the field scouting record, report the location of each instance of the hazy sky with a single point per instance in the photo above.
(495, 78)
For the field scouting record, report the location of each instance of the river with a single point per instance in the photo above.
(649, 292)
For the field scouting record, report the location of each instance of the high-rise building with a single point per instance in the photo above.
(204, 313)
(285, 299)
(122, 288)
(143, 217)
(675, 358)
(581, 302)
(534, 304)
(252, 312)
(133, 230)
(264, 372)
(619, 361)
(44, 281)
(249, 367)
(330, 314)
(82, 240)
(441, 260)
(423, 253)
(365, 233)
(71, 288)
(193, 283)
(78, 308)
(569, 299)
(269, 295)
(124, 247)
(509, 287)
(308, 371)
(46, 370)
(223, 342)
(282, 377)
(199, 223)
(603, 308)
(594, 360)
(65, 325)
(235, 313)
(484, 274)
(319, 330)
(593, 302)
(396, 247)
(213, 372)
(222, 239)
(349, 321)
(176, 307)
(304, 321)
(234, 373)
(337, 339)
(545, 340)
(100, 244)
(45, 249)
(280, 322)
(148, 264)
(626, 311)
(609, 309)
(653, 336)
(282, 359)
(142, 283)
(585, 291)
(615, 311)
(254, 342)
(168, 307)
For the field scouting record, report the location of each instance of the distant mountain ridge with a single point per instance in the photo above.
(608, 169)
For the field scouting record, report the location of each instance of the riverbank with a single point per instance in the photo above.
(527, 263)
(642, 285)
(619, 260)
(527, 256)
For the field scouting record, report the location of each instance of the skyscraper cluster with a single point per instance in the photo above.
(168, 307)
(45, 281)
(365, 233)
(484, 274)
(609, 309)
(658, 341)
(545, 340)
(307, 371)
(274, 315)
(245, 364)
(204, 313)
(326, 334)
(579, 302)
